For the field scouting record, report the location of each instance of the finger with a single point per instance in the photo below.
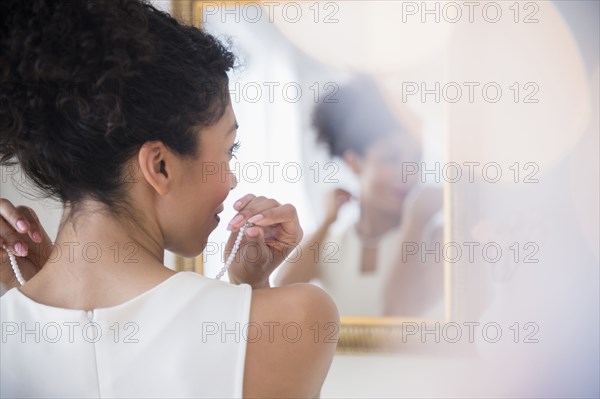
(255, 243)
(19, 248)
(35, 232)
(343, 198)
(342, 191)
(282, 214)
(12, 239)
(242, 202)
(12, 215)
(286, 216)
(255, 234)
(240, 218)
(254, 207)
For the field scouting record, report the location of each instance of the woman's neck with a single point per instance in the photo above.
(374, 222)
(99, 260)
(94, 237)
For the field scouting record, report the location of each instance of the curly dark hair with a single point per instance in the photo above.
(353, 117)
(85, 83)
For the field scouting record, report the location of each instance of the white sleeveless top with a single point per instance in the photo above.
(356, 293)
(185, 337)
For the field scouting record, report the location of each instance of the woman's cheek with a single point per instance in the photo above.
(384, 178)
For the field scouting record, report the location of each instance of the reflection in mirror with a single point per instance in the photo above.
(356, 151)
(383, 260)
(432, 74)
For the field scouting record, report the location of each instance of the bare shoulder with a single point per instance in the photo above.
(293, 298)
(292, 337)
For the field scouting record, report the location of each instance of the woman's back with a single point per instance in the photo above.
(184, 337)
(119, 126)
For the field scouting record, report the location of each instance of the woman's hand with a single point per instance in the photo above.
(22, 233)
(335, 200)
(276, 232)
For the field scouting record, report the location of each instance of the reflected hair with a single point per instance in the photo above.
(354, 117)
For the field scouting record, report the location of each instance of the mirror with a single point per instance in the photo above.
(382, 130)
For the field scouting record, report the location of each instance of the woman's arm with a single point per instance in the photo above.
(303, 263)
(416, 281)
(299, 328)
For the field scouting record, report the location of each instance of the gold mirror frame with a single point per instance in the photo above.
(357, 333)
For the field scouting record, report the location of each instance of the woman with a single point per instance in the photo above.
(116, 109)
(362, 268)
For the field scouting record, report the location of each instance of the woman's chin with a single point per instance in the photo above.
(201, 249)
(191, 251)
(393, 208)
(185, 253)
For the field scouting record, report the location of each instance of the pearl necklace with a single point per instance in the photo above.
(15, 267)
(236, 246)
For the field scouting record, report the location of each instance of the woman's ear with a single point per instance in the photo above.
(354, 161)
(156, 163)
